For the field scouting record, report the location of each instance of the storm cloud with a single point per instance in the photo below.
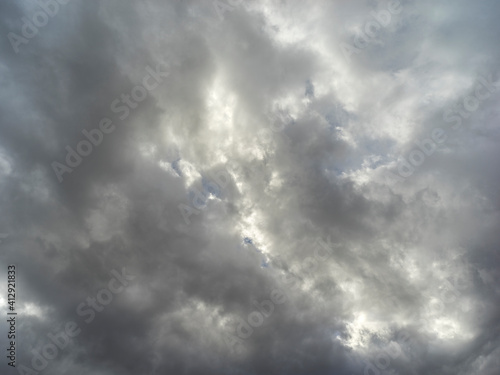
(251, 187)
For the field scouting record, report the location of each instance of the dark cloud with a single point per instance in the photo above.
(256, 184)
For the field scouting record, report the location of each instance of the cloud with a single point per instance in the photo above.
(309, 145)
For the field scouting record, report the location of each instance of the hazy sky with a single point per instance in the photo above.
(259, 187)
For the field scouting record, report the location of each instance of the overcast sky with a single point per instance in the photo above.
(259, 187)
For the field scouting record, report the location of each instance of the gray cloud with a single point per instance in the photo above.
(309, 143)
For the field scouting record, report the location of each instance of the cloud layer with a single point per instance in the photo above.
(259, 194)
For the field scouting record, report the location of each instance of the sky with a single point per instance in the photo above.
(250, 187)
